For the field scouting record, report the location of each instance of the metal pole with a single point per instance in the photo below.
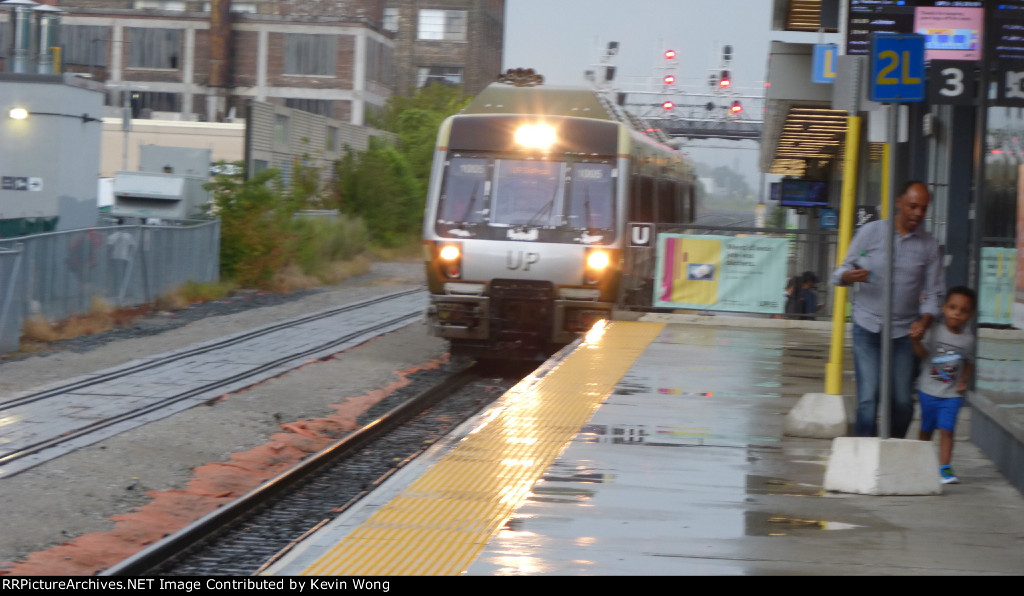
(977, 210)
(885, 373)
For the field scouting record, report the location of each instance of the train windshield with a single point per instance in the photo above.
(465, 187)
(590, 196)
(488, 197)
(527, 193)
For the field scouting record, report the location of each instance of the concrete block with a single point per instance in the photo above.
(873, 466)
(817, 416)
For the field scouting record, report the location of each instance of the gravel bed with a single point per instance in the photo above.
(95, 490)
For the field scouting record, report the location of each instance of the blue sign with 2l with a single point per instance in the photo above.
(897, 68)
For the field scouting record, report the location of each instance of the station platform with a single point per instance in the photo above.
(657, 448)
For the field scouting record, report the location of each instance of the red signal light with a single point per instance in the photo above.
(668, 105)
(669, 79)
(735, 108)
(725, 80)
(670, 54)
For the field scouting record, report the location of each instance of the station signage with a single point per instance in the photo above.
(1006, 31)
(897, 68)
(952, 30)
(28, 183)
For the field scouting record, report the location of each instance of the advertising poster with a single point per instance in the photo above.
(950, 33)
(998, 278)
(741, 274)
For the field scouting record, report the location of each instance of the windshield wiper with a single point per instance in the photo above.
(587, 216)
(472, 203)
(546, 208)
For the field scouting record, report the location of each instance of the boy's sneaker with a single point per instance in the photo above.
(947, 475)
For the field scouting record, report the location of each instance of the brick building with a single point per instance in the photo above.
(453, 41)
(204, 59)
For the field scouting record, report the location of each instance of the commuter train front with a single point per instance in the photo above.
(523, 230)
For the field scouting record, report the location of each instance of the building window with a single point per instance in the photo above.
(320, 107)
(178, 5)
(281, 129)
(310, 54)
(380, 62)
(446, 25)
(84, 44)
(391, 20)
(447, 75)
(153, 48)
(144, 103)
(239, 7)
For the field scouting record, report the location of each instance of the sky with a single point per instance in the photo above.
(560, 39)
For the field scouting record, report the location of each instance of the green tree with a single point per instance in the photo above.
(386, 185)
(253, 228)
(440, 99)
(378, 186)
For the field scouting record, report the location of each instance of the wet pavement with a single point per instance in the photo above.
(684, 470)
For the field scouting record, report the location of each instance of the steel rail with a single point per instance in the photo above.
(153, 407)
(122, 372)
(160, 554)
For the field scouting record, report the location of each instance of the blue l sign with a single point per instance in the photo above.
(823, 65)
(897, 68)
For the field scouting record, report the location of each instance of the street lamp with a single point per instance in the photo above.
(19, 113)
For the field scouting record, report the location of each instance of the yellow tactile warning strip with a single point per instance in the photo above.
(441, 523)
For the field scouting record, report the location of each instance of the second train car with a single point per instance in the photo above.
(531, 193)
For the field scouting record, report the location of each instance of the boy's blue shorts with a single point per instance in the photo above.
(939, 412)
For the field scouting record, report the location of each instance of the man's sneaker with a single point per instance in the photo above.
(947, 475)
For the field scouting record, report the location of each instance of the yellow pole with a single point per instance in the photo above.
(834, 370)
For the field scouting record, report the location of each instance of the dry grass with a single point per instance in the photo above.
(102, 317)
(37, 332)
(408, 252)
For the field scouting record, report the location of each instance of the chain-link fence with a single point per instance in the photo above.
(60, 274)
(10, 309)
(737, 269)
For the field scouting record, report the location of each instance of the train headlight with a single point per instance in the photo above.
(597, 262)
(450, 256)
(535, 136)
(450, 253)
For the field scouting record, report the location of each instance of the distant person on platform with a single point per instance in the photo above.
(809, 296)
(917, 290)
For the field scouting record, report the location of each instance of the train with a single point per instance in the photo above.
(537, 196)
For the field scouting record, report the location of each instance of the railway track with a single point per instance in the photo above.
(245, 537)
(95, 407)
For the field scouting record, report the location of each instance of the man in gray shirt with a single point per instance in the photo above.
(918, 286)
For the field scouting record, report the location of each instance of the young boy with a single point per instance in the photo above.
(945, 352)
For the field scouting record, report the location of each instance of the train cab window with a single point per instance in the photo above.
(591, 196)
(462, 198)
(527, 193)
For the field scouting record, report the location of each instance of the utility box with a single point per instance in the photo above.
(168, 185)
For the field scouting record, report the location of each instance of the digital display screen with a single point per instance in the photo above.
(953, 30)
(1006, 31)
(803, 193)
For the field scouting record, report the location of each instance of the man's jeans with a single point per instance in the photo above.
(867, 356)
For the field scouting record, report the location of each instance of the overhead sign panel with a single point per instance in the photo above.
(953, 30)
(897, 68)
(1006, 30)
(823, 64)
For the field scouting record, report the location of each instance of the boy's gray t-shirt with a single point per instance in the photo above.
(948, 352)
